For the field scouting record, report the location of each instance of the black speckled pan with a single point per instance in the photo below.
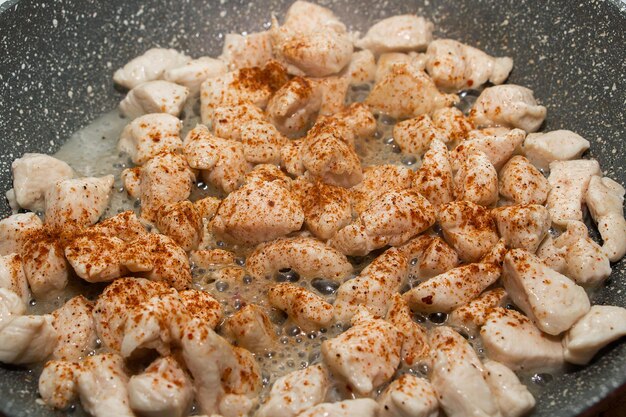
(57, 59)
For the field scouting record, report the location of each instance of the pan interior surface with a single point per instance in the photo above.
(57, 61)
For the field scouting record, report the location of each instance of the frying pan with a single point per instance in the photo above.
(57, 59)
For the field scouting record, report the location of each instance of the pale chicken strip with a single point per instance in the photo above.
(362, 407)
(497, 146)
(75, 328)
(434, 179)
(149, 66)
(400, 33)
(154, 97)
(523, 226)
(294, 107)
(308, 310)
(194, 72)
(512, 396)
(12, 276)
(251, 329)
(409, 396)
(429, 256)
(15, 229)
(522, 183)
(509, 106)
(605, 201)
(558, 145)
(149, 135)
(58, 383)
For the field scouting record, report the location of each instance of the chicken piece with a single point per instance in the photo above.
(193, 73)
(605, 200)
(596, 329)
(401, 33)
(245, 51)
(268, 173)
(551, 300)
(227, 121)
(124, 225)
(201, 304)
(542, 149)
(366, 355)
(415, 346)
(149, 66)
(12, 276)
(33, 174)
(219, 371)
(452, 289)
(362, 407)
(522, 183)
(44, 263)
(331, 160)
(414, 136)
(473, 315)
(453, 122)
(409, 396)
(458, 376)
(569, 181)
(477, 180)
(406, 92)
(333, 91)
(296, 392)
(293, 108)
(307, 256)
(509, 106)
(149, 135)
(96, 257)
(291, 157)
(362, 68)
(131, 181)
(374, 287)
(468, 228)
(154, 97)
(498, 146)
(551, 255)
(326, 207)
(76, 203)
(262, 142)
(75, 328)
(181, 222)
(158, 258)
(513, 398)
(308, 17)
(253, 85)
(163, 389)
(15, 229)
(388, 60)
(307, 309)
(455, 66)
(251, 329)
(377, 180)
(511, 338)
(102, 386)
(434, 179)
(57, 383)
(523, 226)
(207, 207)
(430, 256)
(164, 179)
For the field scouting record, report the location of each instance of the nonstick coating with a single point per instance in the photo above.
(57, 59)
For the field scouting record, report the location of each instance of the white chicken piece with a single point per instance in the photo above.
(201, 304)
(409, 396)
(513, 398)
(102, 386)
(181, 222)
(362, 68)
(406, 92)
(245, 51)
(23, 339)
(499, 146)
(291, 157)
(511, 338)
(12, 276)
(164, 179)
(296, 392)
(377, 180)
(329, 158)
(124, 225)
(193, 73)
(333, 92)
(596, 329)
(523, 226)
(307, 256)
(76, 203)
(468, 228)
(307, 17)
(57, 383)
(268, 173)
(96, 257)
(559, 145)
(551, 300)
(222, 161)
(262, 142)
(308, 310)
(522, 183)
(434, 179)
(415, 346)
(476, 180)
(458, 376)
(414, 136)
(44, 263)
(388, 60)
(552, 255)
(131, 180)
(473, 315)
(207, 207)
(374, 287)
(75, 328)
(569, 181)
(162, 390)
(149, 66)
(294, 107)
(15, 229)
(154, 97)
(362, 407)
(227, 121)
(452, 289)
(605, 201)
(401, 33)
(366, 355)
(508, 105)
(455, 66)
(429, 256)
(207, 257)
(251, 329)
(33, 174)
(149, 135)
(453, 122)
